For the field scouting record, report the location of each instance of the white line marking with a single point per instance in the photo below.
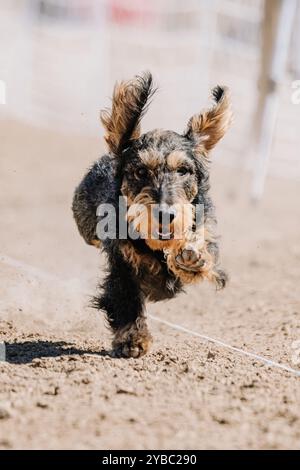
(45, 275)
(269, 362)
(14, 263)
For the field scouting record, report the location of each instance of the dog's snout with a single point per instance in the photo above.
(169, 215)
(165, 214)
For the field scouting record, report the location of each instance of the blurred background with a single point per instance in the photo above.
(60, 58)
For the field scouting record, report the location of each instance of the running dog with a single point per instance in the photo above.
(162, 179)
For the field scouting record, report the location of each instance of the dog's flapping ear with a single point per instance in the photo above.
(129, 103)
(208, 127)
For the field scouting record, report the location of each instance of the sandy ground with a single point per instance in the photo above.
(59, 386)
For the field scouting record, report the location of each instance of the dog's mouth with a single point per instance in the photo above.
(164, 232)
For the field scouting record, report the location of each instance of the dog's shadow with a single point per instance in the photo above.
(25, 352)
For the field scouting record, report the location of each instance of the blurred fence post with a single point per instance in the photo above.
(294, 64)
(276, 35)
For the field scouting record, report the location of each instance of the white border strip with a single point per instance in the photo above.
(47, 276)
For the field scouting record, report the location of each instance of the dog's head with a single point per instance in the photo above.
(162, 172)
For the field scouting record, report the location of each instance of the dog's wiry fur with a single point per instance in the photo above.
(129, 104)
(157, 168)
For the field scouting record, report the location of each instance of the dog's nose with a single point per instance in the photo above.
(165, 214)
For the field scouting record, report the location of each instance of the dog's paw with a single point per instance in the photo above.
(190, 260)
(133, 340)
(129, 349)
(191, 264)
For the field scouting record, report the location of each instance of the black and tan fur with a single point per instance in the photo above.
(158, 169)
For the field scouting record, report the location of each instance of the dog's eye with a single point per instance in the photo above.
(182, 171)
(141, 172)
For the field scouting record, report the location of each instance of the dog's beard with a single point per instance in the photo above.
(160, 234)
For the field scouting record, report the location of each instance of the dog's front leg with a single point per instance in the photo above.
(123, 302)
(197, 259)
